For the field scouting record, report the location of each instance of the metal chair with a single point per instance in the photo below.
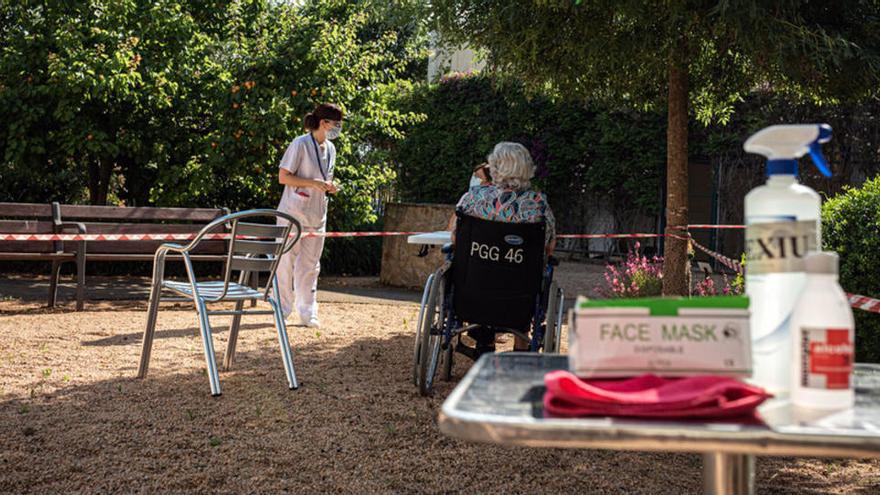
(253, 248)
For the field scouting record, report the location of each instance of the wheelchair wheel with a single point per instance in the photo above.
(429, 346)
(418, 340)
(553, 326)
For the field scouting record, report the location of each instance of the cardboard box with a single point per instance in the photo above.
(664, 336)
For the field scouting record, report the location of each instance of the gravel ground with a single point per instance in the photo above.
(74, 418)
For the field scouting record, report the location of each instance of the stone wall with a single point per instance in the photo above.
(401, 267)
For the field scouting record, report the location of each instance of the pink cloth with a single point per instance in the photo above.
(650, 396)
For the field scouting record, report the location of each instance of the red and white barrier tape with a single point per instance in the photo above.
(864, 303)
(175, 237)
(857, 301)
(710, 226)
(609, 236)
(222, 236)
(358, 234)
(724, 260)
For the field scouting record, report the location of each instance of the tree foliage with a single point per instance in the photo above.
(619, 50)
(192, 103)
(579, 150)
(699, 56)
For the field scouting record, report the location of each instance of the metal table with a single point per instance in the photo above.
(500, 401)
(430, 239)
(437, 238)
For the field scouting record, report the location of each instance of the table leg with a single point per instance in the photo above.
(728, 474)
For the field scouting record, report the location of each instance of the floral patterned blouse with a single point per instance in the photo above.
(494, 203)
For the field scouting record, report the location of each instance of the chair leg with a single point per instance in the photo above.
(284, 343)
(53, 282)
(208, 343)
(229, 357)
(80, 278)
(149, 331)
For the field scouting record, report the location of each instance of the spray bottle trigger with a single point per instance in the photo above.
(824, 134)
(816, 150)
(819, 159)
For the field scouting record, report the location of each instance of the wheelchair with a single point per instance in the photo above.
(495, 279)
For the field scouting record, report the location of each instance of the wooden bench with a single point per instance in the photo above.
(112, 220)
(29, 218)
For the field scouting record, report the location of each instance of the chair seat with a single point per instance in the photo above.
(212, 290)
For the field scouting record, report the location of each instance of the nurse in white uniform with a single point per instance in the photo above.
(306, 170)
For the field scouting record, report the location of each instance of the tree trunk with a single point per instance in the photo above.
(94, 181)
(675, 264)
(99, 181)
(136, 190)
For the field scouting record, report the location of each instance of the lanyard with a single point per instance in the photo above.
(318, 156)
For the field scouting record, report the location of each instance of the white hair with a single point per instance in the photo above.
(511, 166)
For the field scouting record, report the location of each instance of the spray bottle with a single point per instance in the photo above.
(782, 226)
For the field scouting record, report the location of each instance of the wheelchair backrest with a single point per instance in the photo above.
(497, 271)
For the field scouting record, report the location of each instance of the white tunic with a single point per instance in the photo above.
(298, 269)
(308, 205)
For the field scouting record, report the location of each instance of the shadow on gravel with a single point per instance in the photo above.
(128, 338)
(356, 425)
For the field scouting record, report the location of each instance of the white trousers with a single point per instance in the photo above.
(298, 275)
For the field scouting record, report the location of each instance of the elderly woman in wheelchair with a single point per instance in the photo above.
(498, 277)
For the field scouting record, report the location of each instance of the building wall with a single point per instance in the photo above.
(401, 265)
(443, 60)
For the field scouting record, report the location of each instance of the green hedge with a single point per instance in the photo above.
(851, 226)
(578, 149)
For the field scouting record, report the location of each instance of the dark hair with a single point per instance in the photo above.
(324, 111)
(485, 168)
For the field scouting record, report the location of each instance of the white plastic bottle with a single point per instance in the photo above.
(782, 226)
(823, 339)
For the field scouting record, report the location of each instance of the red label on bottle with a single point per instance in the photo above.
(826, 358)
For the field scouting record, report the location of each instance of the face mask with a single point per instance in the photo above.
(475, 181)
(333, 133)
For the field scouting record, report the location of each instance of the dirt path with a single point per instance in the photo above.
(74, 418)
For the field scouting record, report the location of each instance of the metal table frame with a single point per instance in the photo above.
(499, 401)
(429, 240)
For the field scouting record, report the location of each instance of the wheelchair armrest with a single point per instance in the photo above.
(447, 248)
(552, 260)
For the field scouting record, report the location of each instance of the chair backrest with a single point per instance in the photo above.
(497, 271)
(257, 247)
